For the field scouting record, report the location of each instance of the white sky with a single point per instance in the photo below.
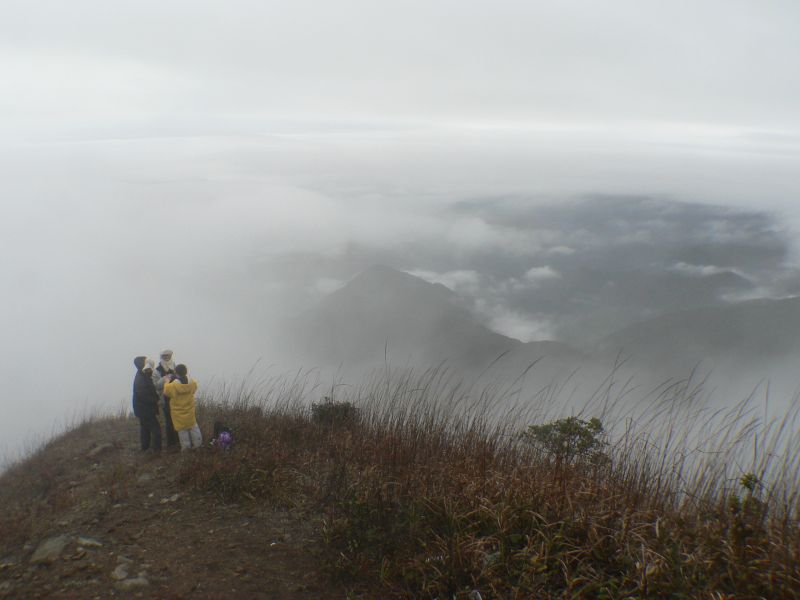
(96, 68)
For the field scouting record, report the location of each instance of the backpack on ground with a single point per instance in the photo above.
(223, 436)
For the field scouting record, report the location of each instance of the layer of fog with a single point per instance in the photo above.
(116, 248)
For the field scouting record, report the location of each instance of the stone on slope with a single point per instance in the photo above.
(50, 549)
(121, 572)
(98, 449)
(132, 584)
(88, 542)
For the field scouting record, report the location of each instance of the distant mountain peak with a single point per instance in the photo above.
(382, 274)
(384, 307)
(378, 270)
(384, 279)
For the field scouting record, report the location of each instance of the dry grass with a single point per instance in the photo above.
(430, 491)
(38, 486)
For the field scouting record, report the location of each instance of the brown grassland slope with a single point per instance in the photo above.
(127, 526)
(404, 489)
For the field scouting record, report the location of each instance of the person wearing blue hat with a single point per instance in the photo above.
(145, 404)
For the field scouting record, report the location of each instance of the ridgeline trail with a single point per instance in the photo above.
(90, 516)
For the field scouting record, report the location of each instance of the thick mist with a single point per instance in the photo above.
(202, 177)
(207, 245)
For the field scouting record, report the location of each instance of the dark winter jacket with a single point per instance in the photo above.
(145, 397)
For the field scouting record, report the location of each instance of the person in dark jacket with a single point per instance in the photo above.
(145, 404)
(164, 374)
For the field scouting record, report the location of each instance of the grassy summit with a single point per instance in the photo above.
(408, 488)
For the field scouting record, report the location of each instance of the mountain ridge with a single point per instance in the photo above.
(753, 330)
(384, 314)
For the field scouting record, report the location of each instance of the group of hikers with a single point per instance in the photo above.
(166, 385)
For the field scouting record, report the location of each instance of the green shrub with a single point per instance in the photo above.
(567, 440)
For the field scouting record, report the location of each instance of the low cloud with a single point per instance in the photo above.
(327, 285)
(704, 270)
(515, 324)
(561, 250)
(536, 274)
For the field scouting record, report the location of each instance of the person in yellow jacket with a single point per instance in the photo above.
(180, 392)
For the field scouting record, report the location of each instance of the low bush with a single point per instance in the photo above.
(332, 413)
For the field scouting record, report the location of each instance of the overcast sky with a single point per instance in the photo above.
(178, 174)
(149, 68)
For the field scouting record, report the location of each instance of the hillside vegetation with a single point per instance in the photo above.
(412, 486)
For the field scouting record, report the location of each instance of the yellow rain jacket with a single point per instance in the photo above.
(181, 403)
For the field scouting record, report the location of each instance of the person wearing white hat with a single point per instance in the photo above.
(163, 374)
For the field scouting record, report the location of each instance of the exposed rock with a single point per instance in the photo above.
(7, 563)
(88, 542)
(50, 549)
(121, 572)
(132, 584)
(98, 449)
(144, 478)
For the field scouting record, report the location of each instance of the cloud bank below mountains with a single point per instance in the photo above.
(264, 227)
(579, 269)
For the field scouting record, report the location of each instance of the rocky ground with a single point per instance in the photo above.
(91, 517)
